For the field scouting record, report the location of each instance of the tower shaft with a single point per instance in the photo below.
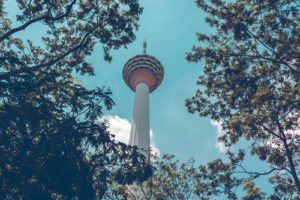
(139, 133)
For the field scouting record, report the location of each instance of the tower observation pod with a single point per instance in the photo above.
(143, 74)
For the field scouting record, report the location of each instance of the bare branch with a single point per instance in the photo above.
(257, 174)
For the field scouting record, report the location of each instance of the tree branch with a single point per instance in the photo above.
(46, 16)
(257, 174)
(289, 156)
(272, 132)
(262, 43)
(131, 193)
(143, 191)
(34, 68)
(22, 27)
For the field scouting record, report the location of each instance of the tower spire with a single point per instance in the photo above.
(144, 47)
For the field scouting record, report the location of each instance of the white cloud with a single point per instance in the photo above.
(120, 127)
(275, 143)
(219, 145)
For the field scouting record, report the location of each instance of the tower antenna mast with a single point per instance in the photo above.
(144, 47)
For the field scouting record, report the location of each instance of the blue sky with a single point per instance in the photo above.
(169, 27)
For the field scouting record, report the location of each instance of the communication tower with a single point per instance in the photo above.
(142, 73)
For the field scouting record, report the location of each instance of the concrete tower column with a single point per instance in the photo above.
(139, 133)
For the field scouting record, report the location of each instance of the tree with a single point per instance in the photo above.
(51, 145)
(173, 180)
(170, 180)
(251, 84)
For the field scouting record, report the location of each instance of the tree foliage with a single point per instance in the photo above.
(170, 180)
(173, 180)
(251, 84)
(51, 144)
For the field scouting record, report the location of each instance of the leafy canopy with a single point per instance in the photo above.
(251, 83)
(170, 180)
(51, 144)
(183, 180)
